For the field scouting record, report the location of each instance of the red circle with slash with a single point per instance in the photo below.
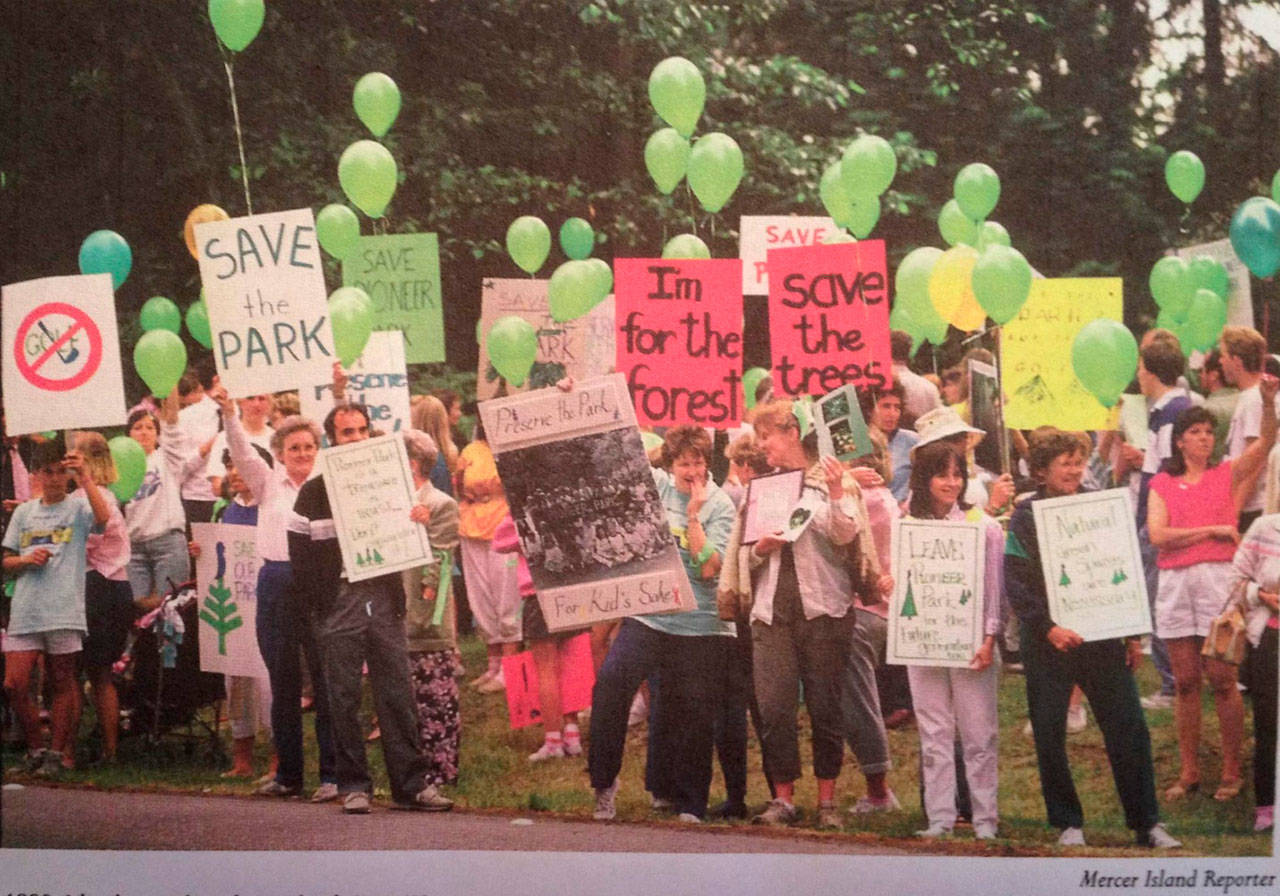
(80, 323)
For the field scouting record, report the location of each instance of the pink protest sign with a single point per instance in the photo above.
(577, 678)
(679, 338)
(829, 317)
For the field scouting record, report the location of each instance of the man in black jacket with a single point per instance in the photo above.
(359, 623)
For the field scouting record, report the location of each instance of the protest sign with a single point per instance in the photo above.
(935, 614)
(265, 296)
(769, 502)
(582, 495)
(985, 412)
(842, 433)
(1092, 564)
(679, 338)
(371, 493)
(760, 233)
(576, 678)
(1036, 374)
(227, 595)
(1239, 290)
(376, 380)
(580, 348)
(829, 317)
(61, 355)
(400, 272)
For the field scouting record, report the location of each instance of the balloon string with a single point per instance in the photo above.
(235, 114)
(1184, 223)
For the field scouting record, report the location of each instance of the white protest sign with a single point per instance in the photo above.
(376, 380)
(1092, 565)
(1239, 291)
(935, 615)
(760, 233)
(226, 583)
(371, 493)
(61, 355)
(268, 307)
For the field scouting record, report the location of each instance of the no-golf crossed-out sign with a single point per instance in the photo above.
(61, 355)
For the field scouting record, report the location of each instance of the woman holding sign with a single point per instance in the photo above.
(951, 699)
(1192, 513)
(1056, 659)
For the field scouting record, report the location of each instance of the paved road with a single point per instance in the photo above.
(65, 818)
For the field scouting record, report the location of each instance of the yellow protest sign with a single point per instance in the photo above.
(1036, 376)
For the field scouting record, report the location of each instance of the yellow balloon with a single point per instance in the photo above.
(951, 289)
(201, 214)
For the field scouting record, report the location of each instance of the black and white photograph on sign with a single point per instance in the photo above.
(576, 527)
(986, 413)
(769, 503)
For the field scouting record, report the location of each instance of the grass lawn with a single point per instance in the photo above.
(496, 776)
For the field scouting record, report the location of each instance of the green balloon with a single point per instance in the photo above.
(1184, 173)
(236, 22)
(1206, 317)
(751, 378)
(351, 317)
(1167, 320)
(977, 190)
(865, 214)
(1275, 187)
(573, 290)
(197, 319)
(106, 252)
(666, 156)
(685, 245)
(992, 233)
(513, 347)
(1104, 357)
(715, 170)
(367, 172)
(1001, 282)
(160, 359)
(838, 236)
(911, 291)
(528, 243)
(337, 229)
(160, 313)
(868, 166)
(131, 467)
(677, 92)
(900, 319)
(1209, 273)
(956, 227)
(835, 198)
(577, 239)
(1171, 284)
(377, 102)
(602, 274)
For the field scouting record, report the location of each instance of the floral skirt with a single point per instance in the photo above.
(435, 688)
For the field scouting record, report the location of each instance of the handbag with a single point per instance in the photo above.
(1226, 640)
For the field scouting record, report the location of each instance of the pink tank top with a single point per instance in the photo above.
(1205, 503)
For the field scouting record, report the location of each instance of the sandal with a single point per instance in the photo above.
(1181, 790)
(1228, 790)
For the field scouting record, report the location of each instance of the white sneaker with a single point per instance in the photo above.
(327, 792)
(984, 831)
(868, 806)
(688, 818)
(1159, 838)
(1071, 837)
(1157, 701)
(934, 832)
(573, 746)
(548, 750)
(606, 808)
(658, 804)
(1077, 720)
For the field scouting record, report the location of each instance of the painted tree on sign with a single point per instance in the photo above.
(219, 609)
(909, 610)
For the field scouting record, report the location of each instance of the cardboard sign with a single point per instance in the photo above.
(268, 308)
(577, 677)
(1092, 564)
(1239, 288)
(829, 317)
(226, 588)
(842, 433)
(61, 366)
(760, 233)
(581, 492)
(371, 495)
(377, 380)
(1036, 375)
(401, 274)
(580, 348)
(679, 339)
(935, 614)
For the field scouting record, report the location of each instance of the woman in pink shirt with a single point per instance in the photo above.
(1192, 517)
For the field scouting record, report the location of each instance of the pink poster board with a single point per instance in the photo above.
(829, 317)
(577, 678)
(679, 339)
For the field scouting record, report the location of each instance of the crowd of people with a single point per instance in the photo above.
(780, 622)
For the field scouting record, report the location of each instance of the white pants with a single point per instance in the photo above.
(493, 590)
(248, 705)
(946, 700)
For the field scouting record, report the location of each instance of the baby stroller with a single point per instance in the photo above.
(159, 679)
